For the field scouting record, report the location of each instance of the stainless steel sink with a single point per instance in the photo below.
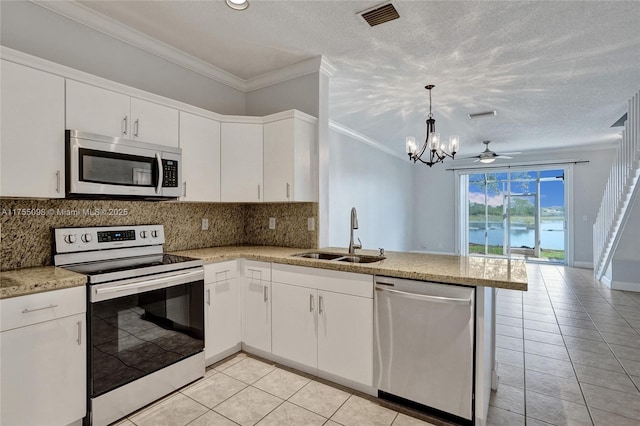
(351, 258)
(320, 256)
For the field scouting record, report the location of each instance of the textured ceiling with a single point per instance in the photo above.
(558, 73)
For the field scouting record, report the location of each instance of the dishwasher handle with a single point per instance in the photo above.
(424, 297)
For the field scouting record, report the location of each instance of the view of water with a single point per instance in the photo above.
(551, 235)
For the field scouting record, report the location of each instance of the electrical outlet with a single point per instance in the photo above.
(205, 224)
(311, 224)
(272, 223)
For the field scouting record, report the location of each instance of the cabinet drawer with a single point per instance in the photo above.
(26, 310)
(254, 270)
(345, 283)
(296, 275)
(221, 271)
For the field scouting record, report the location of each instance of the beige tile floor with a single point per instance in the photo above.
(568, 353)
(246, 391)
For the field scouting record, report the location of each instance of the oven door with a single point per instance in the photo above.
(142, 325)
(98, 165)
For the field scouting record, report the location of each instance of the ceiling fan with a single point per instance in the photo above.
(488, 156)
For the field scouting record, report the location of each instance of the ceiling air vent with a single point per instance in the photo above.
(380, 14)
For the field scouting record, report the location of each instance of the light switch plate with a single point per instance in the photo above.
(205, 224)
(272, 223)
(311, 224)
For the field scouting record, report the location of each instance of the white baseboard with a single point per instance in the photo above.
(583, 265)
(626, 286)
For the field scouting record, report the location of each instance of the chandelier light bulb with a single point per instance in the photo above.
(435, 141)
(454, 143)
(410, 145)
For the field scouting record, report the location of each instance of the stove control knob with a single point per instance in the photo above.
(86, 238)
(143, 234)
(70, 239)
(154, 233)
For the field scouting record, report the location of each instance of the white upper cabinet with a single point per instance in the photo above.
(104, 112)
(289, 152)
(96, 110)
(32, 133)
(154, 123)
(241, 162)
(200, 143)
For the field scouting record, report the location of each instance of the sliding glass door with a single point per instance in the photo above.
(517, 213)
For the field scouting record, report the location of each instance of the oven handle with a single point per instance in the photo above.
(157, 282)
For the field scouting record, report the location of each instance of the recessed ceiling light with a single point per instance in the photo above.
(238, 4)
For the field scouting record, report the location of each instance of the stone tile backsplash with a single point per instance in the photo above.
(26, 225)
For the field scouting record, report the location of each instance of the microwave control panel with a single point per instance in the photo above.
(169, 174)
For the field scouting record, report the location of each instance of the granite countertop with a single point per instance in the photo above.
(21, 282)
(468, 270)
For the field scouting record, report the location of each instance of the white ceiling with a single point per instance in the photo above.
(558, 73)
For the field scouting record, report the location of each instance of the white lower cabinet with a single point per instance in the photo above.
(43, 363)
(256, 305)
(345, 336)
(324, 319)
(294, 332)
(222, 310)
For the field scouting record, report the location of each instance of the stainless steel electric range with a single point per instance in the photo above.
(145, 315)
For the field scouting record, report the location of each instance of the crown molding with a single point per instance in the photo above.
(347, 131)
(106, 25)
(299, 69)
(99, 22)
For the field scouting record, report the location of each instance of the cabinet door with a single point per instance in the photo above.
(241, 162)
(294, 323)
(95, 110)
(256, 314)
(222, 315)
(32, 133)
(43, 373)
(278, 160)
(154, 123)
(289, 160)
(200, 143)
(345, 336)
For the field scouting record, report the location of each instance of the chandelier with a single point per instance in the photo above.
(437, 151)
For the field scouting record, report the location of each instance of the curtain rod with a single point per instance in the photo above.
(519, 166)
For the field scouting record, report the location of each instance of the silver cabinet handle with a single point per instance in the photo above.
(125, 125)
(184, 189)
(311, 307)
(27, 310)
(320, 304)
(58, 181)
(258, 191)
(288, 190)
(209, 296)
(136, 125)
(266, 293)
(424, 297)
(79, 339)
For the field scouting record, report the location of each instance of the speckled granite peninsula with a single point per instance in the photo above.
(21, 282)
(468, 270)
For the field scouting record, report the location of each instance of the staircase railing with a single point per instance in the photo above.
(618, 192)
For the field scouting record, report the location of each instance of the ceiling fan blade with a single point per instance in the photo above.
(510, 153)
(476, 160)
(503, 156)
(467, 158)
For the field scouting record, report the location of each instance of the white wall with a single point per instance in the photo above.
(378, 185)
(32, 29)
(434, 215)
(300, 93)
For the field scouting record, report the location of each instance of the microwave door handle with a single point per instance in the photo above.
(160, 173)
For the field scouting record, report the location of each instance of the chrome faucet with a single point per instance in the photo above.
(354, 225)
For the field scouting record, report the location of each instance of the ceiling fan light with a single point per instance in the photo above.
(487, 160)
(237, 4)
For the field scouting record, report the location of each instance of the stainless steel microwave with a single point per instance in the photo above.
(102, 167)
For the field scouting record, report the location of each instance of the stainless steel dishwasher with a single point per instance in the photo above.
(424, 335)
